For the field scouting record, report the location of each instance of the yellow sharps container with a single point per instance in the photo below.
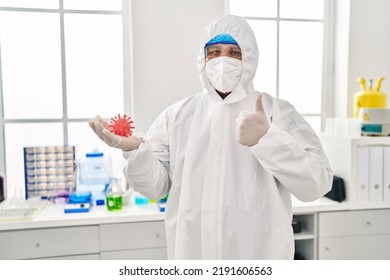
(368, 98)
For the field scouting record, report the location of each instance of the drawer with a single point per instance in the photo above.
(76, 257)
(41, 243)
(137, 254)
(132, 236)
(361, 222)
(362, 247)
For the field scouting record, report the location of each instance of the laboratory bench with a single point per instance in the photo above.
(132, 233)
(329, 230)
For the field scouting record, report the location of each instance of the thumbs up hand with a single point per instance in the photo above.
(250, 127)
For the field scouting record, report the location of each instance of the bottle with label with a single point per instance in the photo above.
(94, 175)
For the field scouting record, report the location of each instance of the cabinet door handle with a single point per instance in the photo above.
(368, 223)
(157, 235)
(327, 248)
(37, 245)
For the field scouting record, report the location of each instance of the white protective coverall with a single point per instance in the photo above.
(226, 200)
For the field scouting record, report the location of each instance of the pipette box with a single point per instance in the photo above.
(49, 172)
(77, 207)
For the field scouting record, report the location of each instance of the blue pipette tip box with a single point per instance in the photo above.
(77, 207)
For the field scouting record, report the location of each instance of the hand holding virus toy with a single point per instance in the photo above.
(117, 134)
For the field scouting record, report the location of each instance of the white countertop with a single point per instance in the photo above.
(325, 204)
(52, 215)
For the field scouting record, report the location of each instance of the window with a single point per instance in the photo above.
(293, 38)
(61, 63)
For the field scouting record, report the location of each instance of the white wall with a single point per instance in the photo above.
(362, 49)
(166, 39)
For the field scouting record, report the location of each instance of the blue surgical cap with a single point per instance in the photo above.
(221, 39)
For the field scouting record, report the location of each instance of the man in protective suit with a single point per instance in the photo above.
(229, 157)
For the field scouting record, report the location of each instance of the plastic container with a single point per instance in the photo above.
(95, 175)
(80, 197)
(162, 203)
(141, 200)
(114, 201)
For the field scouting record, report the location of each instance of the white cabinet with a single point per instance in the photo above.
(138, 240)
(78, 242)
(125, 240)
(360, 234)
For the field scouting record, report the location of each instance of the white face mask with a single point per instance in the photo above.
(224, 73)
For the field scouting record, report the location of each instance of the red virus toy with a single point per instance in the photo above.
(122, 126)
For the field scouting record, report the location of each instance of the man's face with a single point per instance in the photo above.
(218, 50)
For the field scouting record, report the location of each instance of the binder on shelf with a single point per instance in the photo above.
(386, 173)
(363, 166)
(376, 174)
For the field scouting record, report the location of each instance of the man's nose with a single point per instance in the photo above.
(225, 52)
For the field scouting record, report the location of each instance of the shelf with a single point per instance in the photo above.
(304, 235)
(306, 240)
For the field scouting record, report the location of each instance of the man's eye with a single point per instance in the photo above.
(214, 52)
(235, 53)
